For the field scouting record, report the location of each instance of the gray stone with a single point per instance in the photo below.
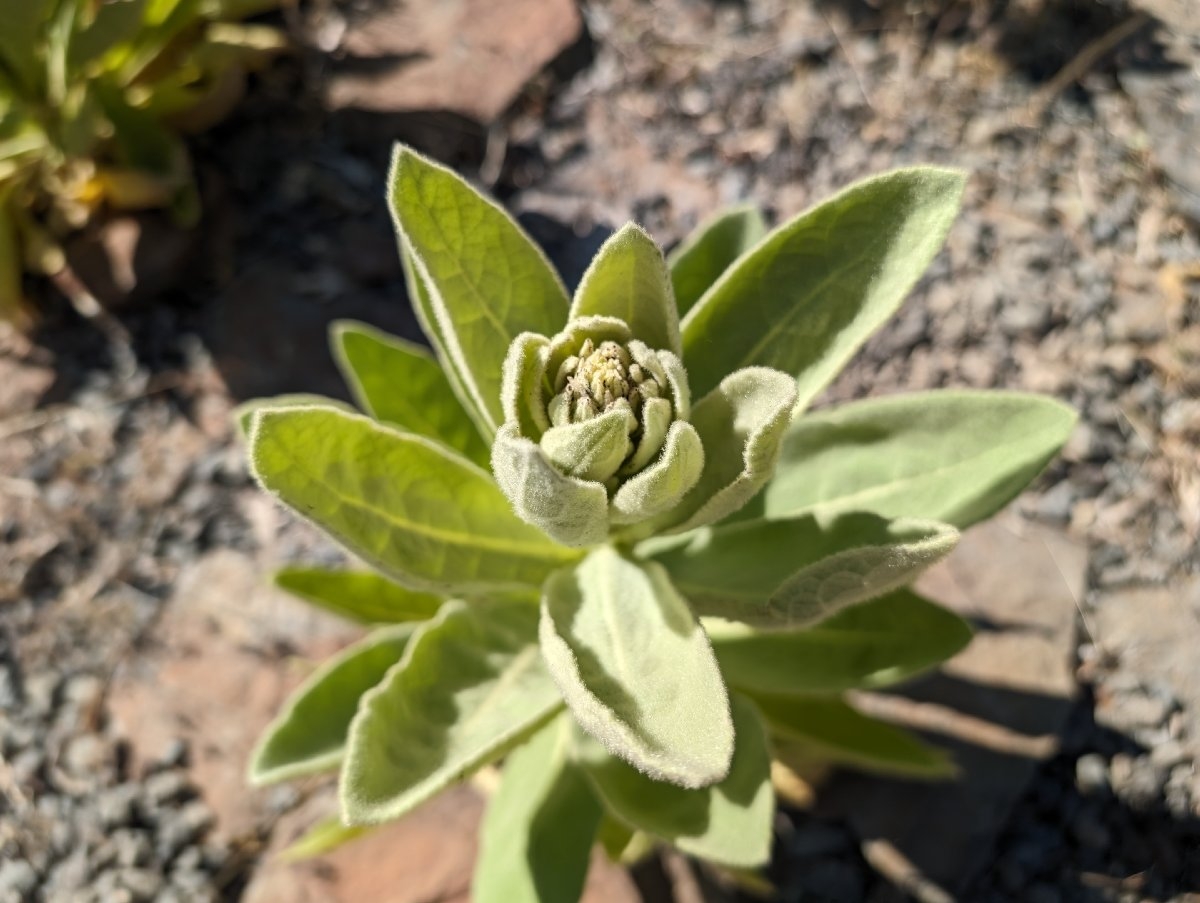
(178, 828)
(17, 877)
(1091, 774)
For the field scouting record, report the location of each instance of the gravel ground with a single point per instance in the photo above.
(1067, 273)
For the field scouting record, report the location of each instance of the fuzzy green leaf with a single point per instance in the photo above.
(470, 686)
(536, 838)
(569, 510)
(593, 449)
(636, 668)
(487, 281)
(406, 505)
(952, 456)
(628, 280)
(728, 823)
(243, 414)
(399, 382)
(698, 262)
(741, 424)
(871, 645)
(795, 572)
(521, 391)
(323, 837)
(422, 306)
(822, 729)
(309, 735)
(813, 290)
(659, 487)
(361, 596)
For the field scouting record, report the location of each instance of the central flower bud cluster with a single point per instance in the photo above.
(598, 379)
(596, 434)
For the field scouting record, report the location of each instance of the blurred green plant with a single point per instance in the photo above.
(94, 97)
(655, 598)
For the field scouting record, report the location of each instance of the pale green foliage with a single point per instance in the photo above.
(470, 686)
(819, 285)
(636, 669)
(361, 596)
(699, 261)
(728, 822)
(794, 572)
(487, 282)
(953, 456)
(816, 729)
(94, 97)
(310, 734)
(877, 643)
(426, 517)
(628, 280)
(536, 839)
(400, 383)
(324, 836)
(709, 560)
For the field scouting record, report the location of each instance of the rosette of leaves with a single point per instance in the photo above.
(612, 549)
(94, 98)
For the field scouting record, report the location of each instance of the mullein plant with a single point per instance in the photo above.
(613, 550)
(94, 98)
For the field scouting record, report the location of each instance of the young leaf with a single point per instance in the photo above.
(309, 735)
(728, 823)
(487, 281)
(622, 844)
(569, 510)
(628, 279)
(791, 573)
(400, 383)
(952, 456)
(361, 596)
(407, 505)
(871, 645)
(828, 730)
(323, 837)
(536, 838)
(741, 424)
(636, 669)
(520, 392)
(25, 22)
(814, 289)
(470, 686)
(422, 306)
(703, 256)
(659, 488)
(243, 414)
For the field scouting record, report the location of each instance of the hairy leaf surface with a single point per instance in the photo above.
(362, 596)
(813, 290)
(628, 279)
(954, 456)
(401, 383)
(636, 668)
(874, 644)
(487, 281)
(309, 735)
(792, 573)
(470, 686)
(729, 822)
(409, 506)
(536, 838)
(700, 259)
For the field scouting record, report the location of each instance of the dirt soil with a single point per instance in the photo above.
(1074, 270)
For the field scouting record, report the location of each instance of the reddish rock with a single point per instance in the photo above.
(998, 706)
(429, 855)
(470, 57)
